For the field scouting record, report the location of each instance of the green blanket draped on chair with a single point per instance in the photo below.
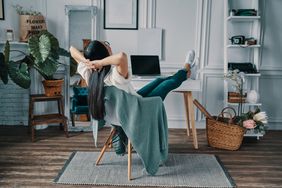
(145, 123)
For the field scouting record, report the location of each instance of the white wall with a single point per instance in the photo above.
(181, 21)
(271, 66)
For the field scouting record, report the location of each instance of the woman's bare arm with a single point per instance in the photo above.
(77, 55)
(119, 60)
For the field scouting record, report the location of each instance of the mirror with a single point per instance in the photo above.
(81, 27)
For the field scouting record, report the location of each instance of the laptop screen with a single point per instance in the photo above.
(145, 65)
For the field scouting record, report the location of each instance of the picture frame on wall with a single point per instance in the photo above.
(2, 15)
(121, 14)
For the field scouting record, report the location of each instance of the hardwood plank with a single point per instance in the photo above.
(258, 163)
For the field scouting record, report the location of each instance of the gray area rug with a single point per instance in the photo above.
(180, 170)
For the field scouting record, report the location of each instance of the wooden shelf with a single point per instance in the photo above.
(49, 118)
(253, 74)
(251, 133)
(243, 46)
(243, 18)
(245, 104)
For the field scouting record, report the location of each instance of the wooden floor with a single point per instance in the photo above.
(25, 164)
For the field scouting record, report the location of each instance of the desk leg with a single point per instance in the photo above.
(30, 119)
(94, 123)
(129, 161)
(186, 104)
(60, 111)
(192, 118)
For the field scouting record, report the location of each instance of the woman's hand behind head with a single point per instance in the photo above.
(95, 65)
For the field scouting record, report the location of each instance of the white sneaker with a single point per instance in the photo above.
(190, 58)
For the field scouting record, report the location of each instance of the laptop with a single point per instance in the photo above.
(145, 65)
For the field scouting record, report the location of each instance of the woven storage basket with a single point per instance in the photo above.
(223, 133)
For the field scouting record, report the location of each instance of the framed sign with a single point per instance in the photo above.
(2, 15)
(121, 14)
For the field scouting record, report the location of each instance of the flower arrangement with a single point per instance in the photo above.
(254, 120)
(21, 11)
(238, 79)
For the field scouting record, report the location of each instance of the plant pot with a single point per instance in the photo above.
(52, 87)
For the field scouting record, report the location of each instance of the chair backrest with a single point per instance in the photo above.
(81, 95)
(115, 98)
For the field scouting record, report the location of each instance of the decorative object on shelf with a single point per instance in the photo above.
(234, 97)
(252, 97)
(245, 12)
(238, 39)
(242, 40)
(44, 57)
(9, 35)
(238, 79)
(232, 12)
(2, 13)
(31, 22)
(121, 14)
(246, 67)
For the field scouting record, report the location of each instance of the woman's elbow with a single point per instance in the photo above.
(122, 57)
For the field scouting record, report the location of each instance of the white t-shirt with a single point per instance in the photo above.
(113, 78)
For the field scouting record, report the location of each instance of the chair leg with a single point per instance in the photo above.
(129, 150)
(88, 117)
(72, 119)
(66, 128)
(105, 146)
(32, 133)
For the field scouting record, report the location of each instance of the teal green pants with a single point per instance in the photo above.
(162, 86)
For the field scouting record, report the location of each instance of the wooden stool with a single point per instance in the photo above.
(108, 144)
(59, 117)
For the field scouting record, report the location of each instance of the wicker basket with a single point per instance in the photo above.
(52, 87)
(223, 133)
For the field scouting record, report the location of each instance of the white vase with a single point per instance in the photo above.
(252, 97)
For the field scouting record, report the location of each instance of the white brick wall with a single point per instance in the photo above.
(14, 103)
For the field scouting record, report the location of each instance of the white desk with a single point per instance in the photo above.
(186, 88)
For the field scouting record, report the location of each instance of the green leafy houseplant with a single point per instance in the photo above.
(44, 54)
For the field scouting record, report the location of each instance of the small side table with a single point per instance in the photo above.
(59, 117)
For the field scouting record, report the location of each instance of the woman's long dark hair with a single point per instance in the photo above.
(96, 51)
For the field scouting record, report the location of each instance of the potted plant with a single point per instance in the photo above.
(44, 54)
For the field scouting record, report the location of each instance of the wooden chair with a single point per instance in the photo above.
(114, 97)
(108, 144)
(79, 104)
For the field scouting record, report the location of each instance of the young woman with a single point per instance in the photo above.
(99, 67)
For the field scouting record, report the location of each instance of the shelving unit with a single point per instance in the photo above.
(236, 25)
